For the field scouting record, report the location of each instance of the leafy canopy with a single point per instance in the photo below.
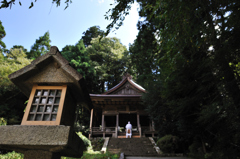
(107, 59)
(40, 47)
(11, 100)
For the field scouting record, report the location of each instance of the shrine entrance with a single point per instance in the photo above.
(125, 118)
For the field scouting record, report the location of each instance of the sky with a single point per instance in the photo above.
(23, 26)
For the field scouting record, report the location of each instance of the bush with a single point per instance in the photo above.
(3, 121)
(12, 155)
(97, 144)
(106, 155)
(168, 144)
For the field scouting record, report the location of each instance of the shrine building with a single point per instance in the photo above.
(113, 109)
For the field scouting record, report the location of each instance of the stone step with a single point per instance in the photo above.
(132, 146)
(134, 136)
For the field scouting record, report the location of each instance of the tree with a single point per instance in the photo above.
(78, 58)
(92, 32)
(19, 47)
(2, 35)
(107, 59)
(6, 4)
(143, 54)
(11, 99)
(199, 86)
(40, 47)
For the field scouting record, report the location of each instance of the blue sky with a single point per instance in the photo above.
(23, 26)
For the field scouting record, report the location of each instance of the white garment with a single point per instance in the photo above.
(128, 127)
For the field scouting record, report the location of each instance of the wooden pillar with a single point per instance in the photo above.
(117, 124)
(117, 120)
(91, 119)
(138, 120)
(103, 126)
(139, 125)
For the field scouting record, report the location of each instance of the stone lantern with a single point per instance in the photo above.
(54, 89)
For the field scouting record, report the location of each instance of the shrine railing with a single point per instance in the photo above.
(114, 130)
(101, 129)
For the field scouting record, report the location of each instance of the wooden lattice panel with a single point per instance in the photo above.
(45, 105)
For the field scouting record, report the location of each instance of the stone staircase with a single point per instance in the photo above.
(132, 146)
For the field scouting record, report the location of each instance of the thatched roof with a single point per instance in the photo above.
(52, 69)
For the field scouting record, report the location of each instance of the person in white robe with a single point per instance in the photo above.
(129, 130)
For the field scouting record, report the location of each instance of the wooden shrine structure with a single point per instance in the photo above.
(114, 108)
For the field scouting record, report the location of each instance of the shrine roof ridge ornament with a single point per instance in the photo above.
(52, 69)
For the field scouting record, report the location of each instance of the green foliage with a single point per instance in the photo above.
(3, 122)
(97, 144)
(78, 58)
(106, 155)
(40, 47)
(195, 150)
(92, 32)
(194, 92)
(20, 47)
(90, 154)
(118, 13)
(14, 60)
(143, 55)
(9, 3)
(12, 155)
(168, 143)
(106, 56)
(11, 99)
(2, 35)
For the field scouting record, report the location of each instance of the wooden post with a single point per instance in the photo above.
(138, 120)
(117, 124)
(139, 126)
(103, 127)
(91, 124)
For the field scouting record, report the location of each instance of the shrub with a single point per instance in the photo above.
(97, 144)
(3, 121)
(12, 155)
(168, 144)
(106, 155)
